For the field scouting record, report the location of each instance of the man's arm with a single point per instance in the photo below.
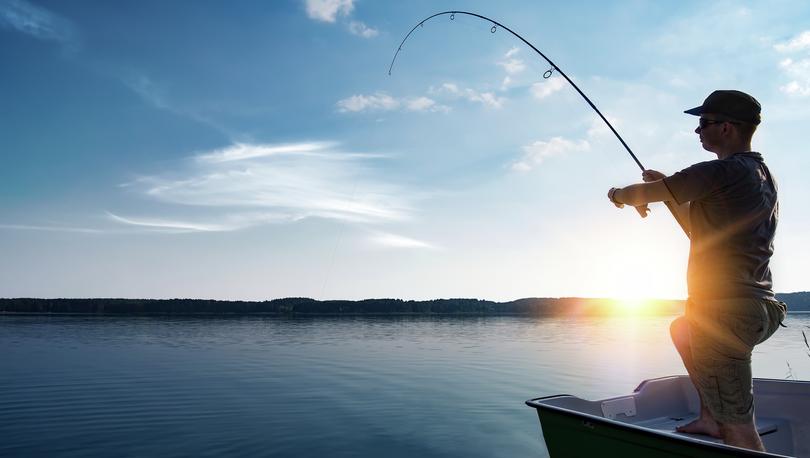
(641, 194)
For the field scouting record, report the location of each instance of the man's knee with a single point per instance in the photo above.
(679, 331)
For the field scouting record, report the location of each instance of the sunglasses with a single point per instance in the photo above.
(704, 123)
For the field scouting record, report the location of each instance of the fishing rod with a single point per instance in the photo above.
(547, 74)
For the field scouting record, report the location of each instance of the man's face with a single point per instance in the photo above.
(710, 130)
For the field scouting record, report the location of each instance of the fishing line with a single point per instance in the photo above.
(546, 75)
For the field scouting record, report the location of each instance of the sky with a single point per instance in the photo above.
(254, 150)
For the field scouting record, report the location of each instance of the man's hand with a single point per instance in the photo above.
(652, 175)
(649, 176)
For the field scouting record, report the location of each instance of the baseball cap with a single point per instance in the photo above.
(737, 105)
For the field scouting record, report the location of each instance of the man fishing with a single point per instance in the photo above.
(729, 208)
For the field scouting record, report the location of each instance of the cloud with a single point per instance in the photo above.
(539, 151)
(361, 30)
(800, 42)
(148, 90)
(398, 241)
(35, 21)
(27, 227)
(328, 10)
(796, 69)
(796, 88)
(507, 81)
(241, 151)
(425, 104)
(488, 99)
(157, 95)
(381, 101)
(246, 185)
(170, 225)
(224, 223)
(378, 101)
(798, 73)
(598, 127)
(543, 89)
(513, 66)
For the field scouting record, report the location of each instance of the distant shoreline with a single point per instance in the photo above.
(567, 306)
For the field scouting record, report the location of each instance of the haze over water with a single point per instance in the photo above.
(257, 386)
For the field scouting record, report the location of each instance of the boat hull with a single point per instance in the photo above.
(572, 436)
(643, 423)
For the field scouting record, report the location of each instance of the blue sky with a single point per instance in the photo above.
(254, 150)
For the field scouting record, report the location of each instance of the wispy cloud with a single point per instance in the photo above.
(158, 95)
(241, 151)
(796, 68)
(380, 101)
(224, 223)
(362, 30)
(488, 99)
(537, 152)
(36, 22)
(148, 90)
(171, 225)
(247, 185)
(328, 10)
(398, 241)
(54, 228)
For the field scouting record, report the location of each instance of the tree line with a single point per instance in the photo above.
(305, 306)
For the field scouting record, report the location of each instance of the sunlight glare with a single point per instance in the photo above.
(633, 305)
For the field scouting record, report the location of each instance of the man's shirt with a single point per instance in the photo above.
(733, 215)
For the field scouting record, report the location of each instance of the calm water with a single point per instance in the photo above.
(427, 387)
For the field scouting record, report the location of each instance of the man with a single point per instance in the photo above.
(729, 208)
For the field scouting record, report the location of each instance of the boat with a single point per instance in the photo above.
(643, 423)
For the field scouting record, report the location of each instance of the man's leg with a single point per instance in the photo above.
(743, 435)
(705, 424)
(722, 335)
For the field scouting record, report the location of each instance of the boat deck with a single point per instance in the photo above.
(667, 425)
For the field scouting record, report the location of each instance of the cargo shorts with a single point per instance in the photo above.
(722, 335)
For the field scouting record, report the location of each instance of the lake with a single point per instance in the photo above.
(305, 387)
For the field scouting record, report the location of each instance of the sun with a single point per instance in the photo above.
(632, 305)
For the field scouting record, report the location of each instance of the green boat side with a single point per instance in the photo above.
(570, 434)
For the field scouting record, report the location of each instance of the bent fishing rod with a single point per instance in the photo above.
(546, 75)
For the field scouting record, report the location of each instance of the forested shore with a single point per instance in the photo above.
(304, 306)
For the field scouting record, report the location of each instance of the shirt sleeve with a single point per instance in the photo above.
(697, 181)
